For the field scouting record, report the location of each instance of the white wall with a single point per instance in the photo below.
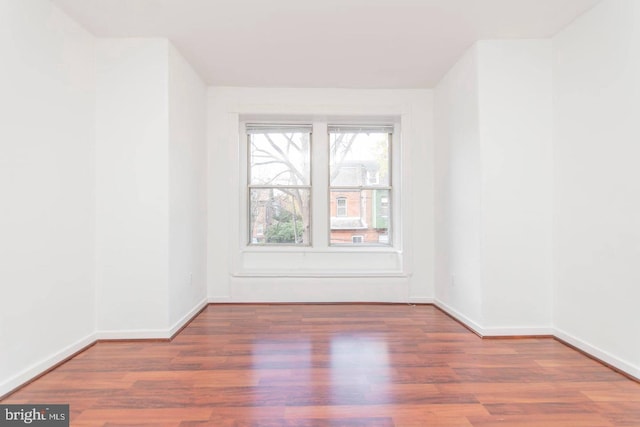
(151, 189)
(458, 180)
(597, 182)
(187, 188)
(237, 273)
(102, 174)
(132, 179)
(494, 179)
(515, 119)
(47, 187)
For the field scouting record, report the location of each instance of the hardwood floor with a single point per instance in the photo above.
(335, 365)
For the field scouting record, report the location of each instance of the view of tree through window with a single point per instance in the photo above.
(360, 184)
(279, 184)
(280, 193)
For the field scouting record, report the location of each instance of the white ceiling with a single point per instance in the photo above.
(324, 43)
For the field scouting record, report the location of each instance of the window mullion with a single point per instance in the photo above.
(319, 183)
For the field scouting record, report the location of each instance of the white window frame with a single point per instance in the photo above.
(366, 185)
(320, 259)
(345, 207)
(250, 186)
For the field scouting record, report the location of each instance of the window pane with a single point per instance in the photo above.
(341, 206)
(359, 159)
(279, 158)
(280, 216)
(360, 216)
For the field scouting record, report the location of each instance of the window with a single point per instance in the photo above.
(360, 174)
(384, 207)
(279, 184)
(347, 204)
(341, 206)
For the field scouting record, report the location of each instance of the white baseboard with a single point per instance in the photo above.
(421, 300)
(517, 332)
(40, 367)
(493, 331)
(133, 334)
(229, 300)
(220, 300)
(474, 326)
(47, 363)
(622, 365)
(150, 334)
(187, 317)
(598, 353)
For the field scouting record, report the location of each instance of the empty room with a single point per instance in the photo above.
(311, 213)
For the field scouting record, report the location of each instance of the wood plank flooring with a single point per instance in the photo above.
(339, 366)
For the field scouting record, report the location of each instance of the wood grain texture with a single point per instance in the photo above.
(335, 365)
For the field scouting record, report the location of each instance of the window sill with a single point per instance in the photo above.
(320, 274)
(316, 262)
(364, 249)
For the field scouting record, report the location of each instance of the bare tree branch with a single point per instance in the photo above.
(292, 142)
(260, 150)
(283, 157)
(276, 177)
(293, 193)
(270, 162)
(275, 153)
(347, 147)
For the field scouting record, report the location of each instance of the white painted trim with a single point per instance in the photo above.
(598, 353)
(313, 274)
(187, 317)
(220, 300)
(229, 300)
(40, 367)
(133, 334)
(460, 317)
(494, 331)
(517, 331)
(141, 334)
(421, 300)
(589, 349)
(318, 253)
